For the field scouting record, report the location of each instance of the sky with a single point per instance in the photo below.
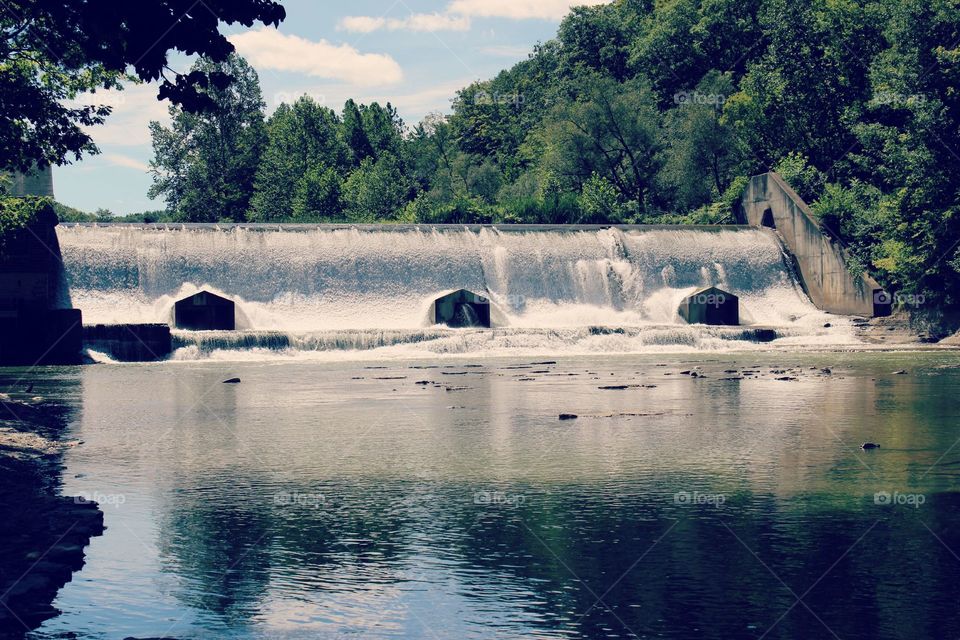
(413, 53)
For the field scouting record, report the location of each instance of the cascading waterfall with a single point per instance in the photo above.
(323, 289)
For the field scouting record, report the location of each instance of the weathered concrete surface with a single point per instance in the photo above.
(820, 257)
(711, 305)
(130, 342)
(37, 325)
(31, 271)
(38, 182)
(262, 227)
(31, 337)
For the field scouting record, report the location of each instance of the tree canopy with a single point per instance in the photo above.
(53, 52)
(646, 112)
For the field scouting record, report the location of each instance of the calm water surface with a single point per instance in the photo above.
(336, 500)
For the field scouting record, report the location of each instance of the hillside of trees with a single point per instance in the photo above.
(637, 112)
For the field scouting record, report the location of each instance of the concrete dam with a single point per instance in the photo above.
(329, 289)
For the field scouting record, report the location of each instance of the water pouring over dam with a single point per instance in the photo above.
(327, 288)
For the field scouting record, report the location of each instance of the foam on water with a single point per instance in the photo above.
(324, 289)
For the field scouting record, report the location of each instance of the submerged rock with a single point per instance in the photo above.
(622, 387)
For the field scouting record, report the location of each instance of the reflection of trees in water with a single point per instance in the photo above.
(700, 581)
(232, 541)
(552, 556)
(220, 548)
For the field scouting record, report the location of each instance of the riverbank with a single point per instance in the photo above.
(903, 329)
(42, 534)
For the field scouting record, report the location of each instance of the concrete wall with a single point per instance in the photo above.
(130, 342)
(31, 337)
(38, 182)
(819, 256)
(37, 325)
(31, 271)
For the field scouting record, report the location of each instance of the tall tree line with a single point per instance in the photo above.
(638, 111)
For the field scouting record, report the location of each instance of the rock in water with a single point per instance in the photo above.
(232, 381)
(869, 445)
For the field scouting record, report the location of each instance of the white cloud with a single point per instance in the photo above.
(267, 48)
(362, 24)
(433, 22)
(436, 98)
(133, 109)
(457, 15)
(421, 22)
(517, 9)
(126, 161)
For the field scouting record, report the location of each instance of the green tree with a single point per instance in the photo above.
(431, 151)
(54, 51)
(681, 41)
(600, 201)
(384, 128)
(703, 153)
(318, 196)
(613, 131)
(377, 190)
(598, 38)
(798, 95)
(355, 135)
(908, 144)
(204, 164)
(304, 141)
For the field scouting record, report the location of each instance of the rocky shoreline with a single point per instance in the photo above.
(902, 328)
(43, 535)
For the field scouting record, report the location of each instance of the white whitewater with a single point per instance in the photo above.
(326, 290)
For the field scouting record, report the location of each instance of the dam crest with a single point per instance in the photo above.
(339, 287)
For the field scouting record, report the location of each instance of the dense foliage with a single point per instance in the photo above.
(54, 52)
(19, 213)
(640, 111)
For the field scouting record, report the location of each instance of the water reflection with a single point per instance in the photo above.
(295, 505)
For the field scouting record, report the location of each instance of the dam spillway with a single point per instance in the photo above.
(329, 287)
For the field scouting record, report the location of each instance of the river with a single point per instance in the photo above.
(446, 499)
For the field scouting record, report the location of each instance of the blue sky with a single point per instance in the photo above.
(413, 53)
